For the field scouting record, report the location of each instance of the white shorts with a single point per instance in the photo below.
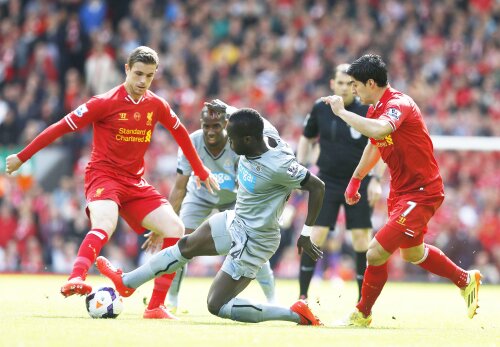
(245, 255)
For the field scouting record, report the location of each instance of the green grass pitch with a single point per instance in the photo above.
(33, 313)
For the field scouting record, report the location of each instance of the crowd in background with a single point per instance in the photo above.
(275, 56)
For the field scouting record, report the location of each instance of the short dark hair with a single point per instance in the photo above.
(143, 54)
(369, 66)
(247, 122)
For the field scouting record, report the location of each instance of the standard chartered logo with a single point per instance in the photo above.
(133, 135)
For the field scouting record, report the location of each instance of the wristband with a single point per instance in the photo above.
(353, 187)
(306, 230)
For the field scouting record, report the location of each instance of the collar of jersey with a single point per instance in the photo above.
(127, 97)
(385, 97)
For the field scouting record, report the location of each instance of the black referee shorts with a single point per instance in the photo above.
(357, 216)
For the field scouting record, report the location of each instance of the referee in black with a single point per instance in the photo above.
(340, 149)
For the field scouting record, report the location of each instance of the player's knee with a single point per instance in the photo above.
(188, 247)
(411, 255)
(213, 306)
(373, 257)
(176, 229)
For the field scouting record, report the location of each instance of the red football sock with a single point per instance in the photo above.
(438, 263)
(373, 283)
(162, 283)
(88, 252)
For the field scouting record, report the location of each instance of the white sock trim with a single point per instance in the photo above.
(426, 253)
(98, 234)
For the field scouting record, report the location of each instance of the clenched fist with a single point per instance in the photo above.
(12, 163)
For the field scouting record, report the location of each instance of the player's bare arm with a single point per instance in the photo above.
(178, 192)
(316, 189)
(375, 128)
(305, 150)
(369, 159)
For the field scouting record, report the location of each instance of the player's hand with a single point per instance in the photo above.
(305, 244)
(211, 182)
(374, 191)
(351, 194)
(153, 243)
(217, 106)
(12, 163)
(336, 103)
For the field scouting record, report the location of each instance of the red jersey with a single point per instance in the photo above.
(408, 150)
(122, 132)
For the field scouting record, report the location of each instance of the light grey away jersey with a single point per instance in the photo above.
(223, 167)
(265, 183)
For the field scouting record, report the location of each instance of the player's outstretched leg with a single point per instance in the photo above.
(265, 277)
(221, 302)
(168, 260)
(435, 261)
(243, 310)
(88, 251)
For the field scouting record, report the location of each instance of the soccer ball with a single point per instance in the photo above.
(104, 302)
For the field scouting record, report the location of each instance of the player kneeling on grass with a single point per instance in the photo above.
(194, 205)
(249, 235)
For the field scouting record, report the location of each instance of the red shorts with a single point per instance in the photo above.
(135, 198)
(408, 218)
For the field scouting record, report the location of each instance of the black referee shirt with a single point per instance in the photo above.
(341, 146)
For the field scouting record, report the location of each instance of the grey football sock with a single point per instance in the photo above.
(166, 261)
(173, 292)
(265, 277)
(243, 310)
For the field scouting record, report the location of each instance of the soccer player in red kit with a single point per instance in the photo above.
(397, 132)
(123, 120)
